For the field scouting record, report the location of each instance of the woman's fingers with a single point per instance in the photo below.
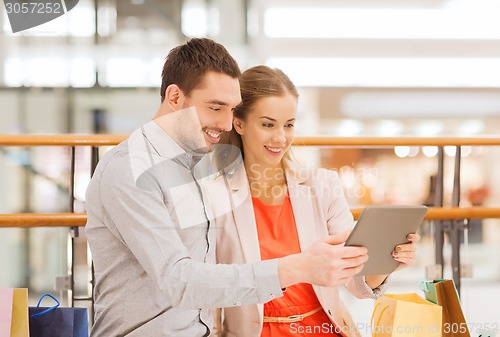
(405, 253)
(413, 237)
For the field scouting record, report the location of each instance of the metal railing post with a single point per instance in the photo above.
(438, 202)
(456, 225)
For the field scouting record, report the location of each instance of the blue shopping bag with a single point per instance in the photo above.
(58, 322)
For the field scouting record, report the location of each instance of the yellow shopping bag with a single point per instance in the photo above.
(14, 312)
(405, 315)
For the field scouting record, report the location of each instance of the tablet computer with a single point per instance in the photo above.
(380, 229)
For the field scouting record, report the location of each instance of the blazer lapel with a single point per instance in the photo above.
(302, 205)
(244, 216)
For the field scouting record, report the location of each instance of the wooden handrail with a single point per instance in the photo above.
(396, 141)
(111, 140)
(61, 140)
(453, 213)
(26, 220)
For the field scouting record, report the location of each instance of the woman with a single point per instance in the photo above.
(280, 209)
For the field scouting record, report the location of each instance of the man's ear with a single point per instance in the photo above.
(238, 125)
(174, 96)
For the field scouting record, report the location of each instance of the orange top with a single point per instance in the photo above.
(278, 237)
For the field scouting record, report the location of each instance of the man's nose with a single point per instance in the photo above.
(226, 120)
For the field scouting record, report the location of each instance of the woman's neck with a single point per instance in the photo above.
(267, 183)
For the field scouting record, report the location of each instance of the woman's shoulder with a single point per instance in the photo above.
(312, 175)
(326, 173)
(321, 183)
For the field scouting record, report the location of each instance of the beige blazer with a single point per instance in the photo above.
(319, 207)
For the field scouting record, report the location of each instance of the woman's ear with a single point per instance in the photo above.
(238, 125)
(174, 96)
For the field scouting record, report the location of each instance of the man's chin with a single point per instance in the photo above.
(209, 146)
(205, 149)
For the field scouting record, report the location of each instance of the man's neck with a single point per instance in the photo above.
(180, 126)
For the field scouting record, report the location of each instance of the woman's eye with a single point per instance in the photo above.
(267, 125)
(289, 125)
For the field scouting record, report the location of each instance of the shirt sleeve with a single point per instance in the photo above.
(139, 218)
(359, 288)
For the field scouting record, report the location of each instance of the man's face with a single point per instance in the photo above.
(214, 99)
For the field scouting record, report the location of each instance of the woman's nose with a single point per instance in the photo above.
(279, 135)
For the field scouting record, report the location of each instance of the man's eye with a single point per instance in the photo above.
(215, 108)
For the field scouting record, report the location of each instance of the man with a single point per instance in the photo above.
(149, 227)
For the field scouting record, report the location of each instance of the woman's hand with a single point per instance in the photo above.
(405, 253)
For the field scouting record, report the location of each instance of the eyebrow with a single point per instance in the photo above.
(274, 120)
(217, 102)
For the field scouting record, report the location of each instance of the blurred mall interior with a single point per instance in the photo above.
(364, 68)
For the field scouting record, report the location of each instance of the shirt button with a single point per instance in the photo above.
(271, 296)
(237, 304)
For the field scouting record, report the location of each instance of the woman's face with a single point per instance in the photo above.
(268, 130)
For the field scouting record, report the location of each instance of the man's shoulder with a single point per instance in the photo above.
(116, 154)
(114, 163)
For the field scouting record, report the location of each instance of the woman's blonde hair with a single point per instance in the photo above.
(255, 83)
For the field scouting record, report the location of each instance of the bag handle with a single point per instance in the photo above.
(379, 316)
(424, 286)
(46, 310)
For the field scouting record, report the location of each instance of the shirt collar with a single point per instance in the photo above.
(166, 147)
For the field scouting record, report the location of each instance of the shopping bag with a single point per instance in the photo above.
(14, 312)
(444, 293)
(407, 315)
(57, 322)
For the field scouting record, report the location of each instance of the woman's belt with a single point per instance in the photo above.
(291, 319)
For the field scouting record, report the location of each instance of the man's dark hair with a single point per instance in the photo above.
(186, 64)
